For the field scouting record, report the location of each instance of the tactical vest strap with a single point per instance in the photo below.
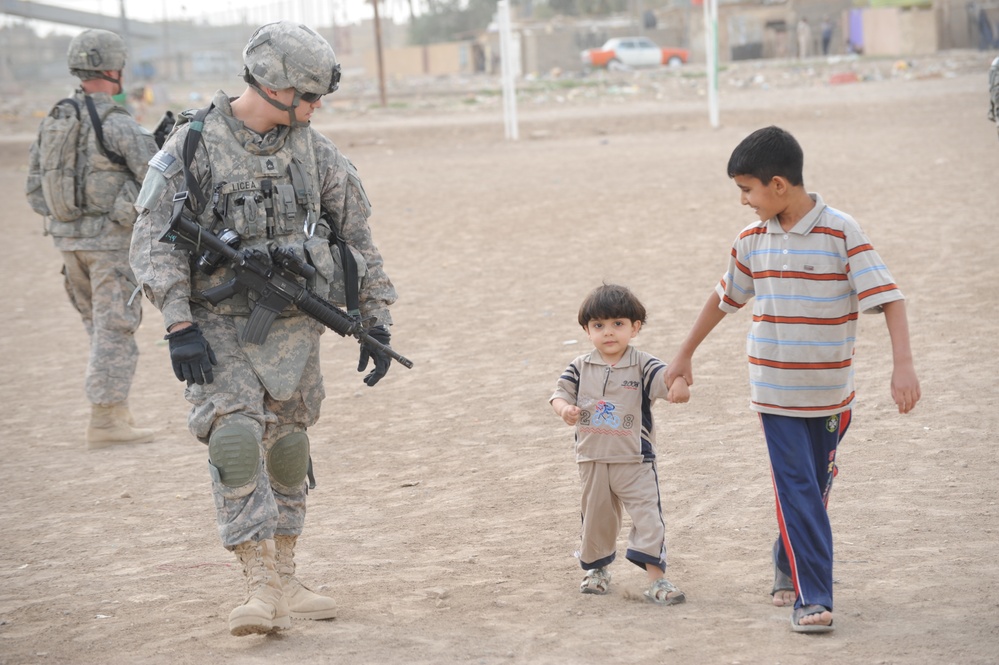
(99, 133)
(191, 141)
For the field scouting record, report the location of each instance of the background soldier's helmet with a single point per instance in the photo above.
(290, 55)
(94, 51)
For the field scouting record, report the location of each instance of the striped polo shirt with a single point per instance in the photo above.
(809, 284)
(615, 421)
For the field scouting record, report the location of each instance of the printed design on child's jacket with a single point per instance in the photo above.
(603, 420)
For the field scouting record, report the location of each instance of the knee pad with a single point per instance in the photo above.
(234, 452)
(288, 462)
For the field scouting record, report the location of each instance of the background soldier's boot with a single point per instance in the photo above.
(121, 408)
(303, 602)
(110, 425)
(265, 609)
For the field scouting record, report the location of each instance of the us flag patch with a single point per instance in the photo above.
(161, 161)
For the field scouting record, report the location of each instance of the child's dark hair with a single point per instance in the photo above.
(766, 153)
(611, 301)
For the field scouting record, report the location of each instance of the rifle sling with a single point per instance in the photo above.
(349, 274)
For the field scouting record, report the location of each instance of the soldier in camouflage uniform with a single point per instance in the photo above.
(95, 244)
(994, 93)
(265, 174)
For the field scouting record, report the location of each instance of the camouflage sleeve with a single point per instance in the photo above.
(343, 196)
(164, 273)
(123, 135)
(33, 185)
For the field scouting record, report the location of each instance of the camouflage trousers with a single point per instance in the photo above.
(239, 395)
(99, 284)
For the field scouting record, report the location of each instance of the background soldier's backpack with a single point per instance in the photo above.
(59, 139)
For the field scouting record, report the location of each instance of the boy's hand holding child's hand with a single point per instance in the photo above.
(679, 392)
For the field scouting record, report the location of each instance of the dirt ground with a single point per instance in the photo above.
(446, 513)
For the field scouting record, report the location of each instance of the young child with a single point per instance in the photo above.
(811, 269)
(608, 395)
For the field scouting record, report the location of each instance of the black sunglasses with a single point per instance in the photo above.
(313, 97)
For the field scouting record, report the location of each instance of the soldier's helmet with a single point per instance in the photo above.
(94, 51)
(290, 55)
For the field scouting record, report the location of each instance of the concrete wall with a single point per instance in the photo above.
(769, 31)
(432, 60)
(898, 31)
(355, 44)
(544, 52)
(957, 22)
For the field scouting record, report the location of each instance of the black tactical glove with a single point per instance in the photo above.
(382, 359)
(191, 355)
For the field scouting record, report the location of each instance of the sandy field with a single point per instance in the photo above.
(446, 513)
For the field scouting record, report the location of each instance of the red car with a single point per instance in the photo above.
(633, 52)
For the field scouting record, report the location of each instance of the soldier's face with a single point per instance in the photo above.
(304, 110)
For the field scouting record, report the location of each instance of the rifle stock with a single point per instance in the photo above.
(275, 279)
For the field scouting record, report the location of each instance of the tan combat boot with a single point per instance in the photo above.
(265, 609)
(111, 425)
(121, 408)
(303, 603)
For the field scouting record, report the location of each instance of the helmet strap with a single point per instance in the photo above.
(116, 81)
(292, 121)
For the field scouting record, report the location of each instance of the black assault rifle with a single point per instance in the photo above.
(163, 129)
(275, 279)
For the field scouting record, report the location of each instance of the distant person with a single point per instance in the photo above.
(827, 34)
(607, 395)
(804, 38)
(987, 38)
(812, 271)
(83, 176)
(994, 92)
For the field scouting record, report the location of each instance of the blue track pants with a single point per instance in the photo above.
(802, 466)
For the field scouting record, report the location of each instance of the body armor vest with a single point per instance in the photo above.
(267, 199)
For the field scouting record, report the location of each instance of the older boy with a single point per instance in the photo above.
(811, 269)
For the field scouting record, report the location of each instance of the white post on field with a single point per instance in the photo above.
(508, 75)
(711, 50)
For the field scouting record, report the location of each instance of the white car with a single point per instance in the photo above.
(633, 52)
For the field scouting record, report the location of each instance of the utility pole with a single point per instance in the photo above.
(508, 74)
(711, 50)
(125, 36)
(167, 65)
(378, 51)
